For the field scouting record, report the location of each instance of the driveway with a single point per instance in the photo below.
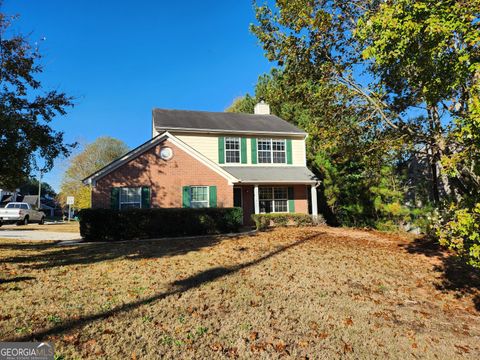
(11, 232)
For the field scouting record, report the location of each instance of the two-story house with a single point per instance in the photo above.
(206, 159)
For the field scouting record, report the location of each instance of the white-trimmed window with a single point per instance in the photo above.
(130, 198)
(273, 199)
(199, 196)
(271, 151)
(232, 150)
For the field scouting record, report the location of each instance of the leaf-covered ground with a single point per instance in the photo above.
(293, 293)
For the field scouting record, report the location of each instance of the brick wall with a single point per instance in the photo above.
(300, 196)
(165, 178)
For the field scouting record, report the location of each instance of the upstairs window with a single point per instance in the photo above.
(278, 151)
(232, 150)
(130, 198)
(271, 151)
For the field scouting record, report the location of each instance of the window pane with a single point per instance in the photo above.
(281, 206)
(130, 198)
(279, 157)
(280, 193)
(278, 145)
(264, 157)
(199, 193)
(232, 156)
(265, 193)
(266, 206)
(199, 204)
(129, 206)
(264, 144)
(232, 143)
(232, 150)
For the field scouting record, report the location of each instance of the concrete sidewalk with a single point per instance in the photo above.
(38, 235)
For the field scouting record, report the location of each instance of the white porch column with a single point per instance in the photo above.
(256, 199)
(314, 202)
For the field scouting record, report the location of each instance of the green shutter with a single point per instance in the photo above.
(289, 151)
(291, 201)
(243, 150)
(221, 150)
(145, 197)
(186, 197)
(212, 196)
(115, 198)
(254, 150)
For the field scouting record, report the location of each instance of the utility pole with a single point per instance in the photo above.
(39, 189)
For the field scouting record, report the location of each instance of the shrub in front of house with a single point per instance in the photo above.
(112, 225)
(264, 221)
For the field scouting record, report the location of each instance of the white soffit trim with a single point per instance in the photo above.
(219, 131)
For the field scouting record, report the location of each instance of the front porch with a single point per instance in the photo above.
(275, 198)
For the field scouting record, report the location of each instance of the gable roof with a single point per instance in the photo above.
(150, 144)
(30, 199)
(221, 122)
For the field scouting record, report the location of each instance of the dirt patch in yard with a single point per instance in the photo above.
(295, 293)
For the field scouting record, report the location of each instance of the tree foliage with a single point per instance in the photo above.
(30, 187)
(93, 157)
(389, 93)
(26, 111)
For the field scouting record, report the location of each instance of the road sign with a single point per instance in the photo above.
(70, 200)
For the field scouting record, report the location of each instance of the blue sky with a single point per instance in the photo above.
(120, 59)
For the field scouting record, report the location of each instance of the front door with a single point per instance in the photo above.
(237, 197)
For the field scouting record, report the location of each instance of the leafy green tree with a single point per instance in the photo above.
(425, 56)
(31, 188)
(344, 152)
(26, 111)
(93, 157)
(351, 137)
(244, 104)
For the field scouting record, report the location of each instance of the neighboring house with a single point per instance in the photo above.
(205, 159)
(9, 196)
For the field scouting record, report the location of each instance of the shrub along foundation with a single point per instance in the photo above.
(131, 224)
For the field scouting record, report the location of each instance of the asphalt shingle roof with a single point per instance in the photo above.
(221, 121)
(272, 174)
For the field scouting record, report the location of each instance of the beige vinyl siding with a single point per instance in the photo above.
(207, 145)
(298, 152)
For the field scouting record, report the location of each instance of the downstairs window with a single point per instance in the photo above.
(273, 200)
(130, 198)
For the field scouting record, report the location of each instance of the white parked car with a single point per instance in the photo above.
(20, 213)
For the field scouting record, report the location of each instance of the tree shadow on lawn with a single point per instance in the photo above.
(177, 287)
(51, 255)
(16, 279)
(456, 275)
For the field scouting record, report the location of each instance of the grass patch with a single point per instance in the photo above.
(294, 292)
